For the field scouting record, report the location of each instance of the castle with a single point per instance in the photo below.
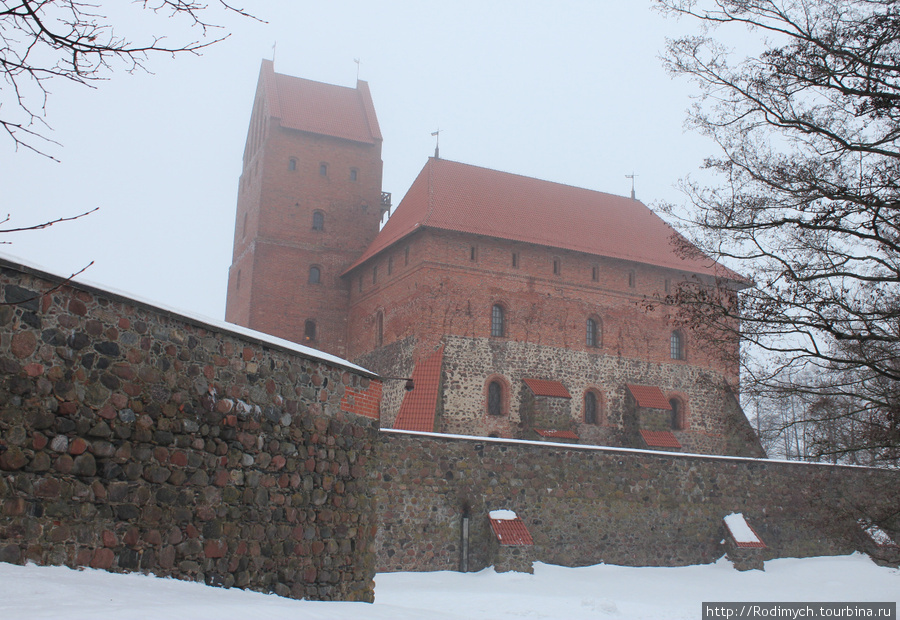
(517, 305)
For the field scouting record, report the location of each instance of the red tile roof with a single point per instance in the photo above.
(649, 396)
(458, 197)
(554, 434)
(660, 439)
(543, 387)
(742, 540)
(418, 407)
(511, 532)
(319, 108)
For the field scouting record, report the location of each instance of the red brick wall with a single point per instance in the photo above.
(275, 244)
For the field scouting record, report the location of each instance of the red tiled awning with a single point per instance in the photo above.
(511, 532)
(553, 434)
(543, 387)
(649, 396)
(660, 439)
(418, 407)
(741, 533)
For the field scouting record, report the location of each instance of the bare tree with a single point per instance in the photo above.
(805, 201)
(72, 40)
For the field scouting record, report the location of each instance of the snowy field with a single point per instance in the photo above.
(601, 591)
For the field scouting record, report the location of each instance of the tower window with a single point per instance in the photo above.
(473, 253)
(677, 415)
(595, 273)
(379, 328)
(590, 407)
(667, 285)
(497, 321)
(360, 284)
(237, 284)
(323, 170)
(515, 259)
(556, 266)
(676, 346)
(406, 255)
(593, 333)
(244, 227)
(318, 222)
(292, 164)
(495, 398)
(354, 174)
(631, 278)
(309, 330)
(315, 275)
(375, 274)
(390, 265)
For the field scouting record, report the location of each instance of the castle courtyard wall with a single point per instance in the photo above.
(584, 505)
(136, 439)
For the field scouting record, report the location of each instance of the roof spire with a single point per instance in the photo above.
(631, 176)
(356, 60)
(437, 143)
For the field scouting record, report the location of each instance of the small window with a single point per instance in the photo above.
(237, 283)
(590, 407)
(318, 222)
(323, 170)
(360, 284)
(374, 274)
(676, 346)
(497, 326)
(495, 398)
(556, 266)
(379, 328)
(315, 275)
(390, 265)
(473, 253)
(595, 273)
(292, 164)
(406, 255)
(667, 285)
(354, 174)
(515, 259)
(244, 227)
(677, 415)
(631, 278)
(593, 333)
(309, 330)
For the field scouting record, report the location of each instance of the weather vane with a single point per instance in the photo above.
(437, 143)
(631, 176)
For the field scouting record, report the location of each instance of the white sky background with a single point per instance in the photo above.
(569, 91)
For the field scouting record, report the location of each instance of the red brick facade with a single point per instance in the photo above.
(467, 263)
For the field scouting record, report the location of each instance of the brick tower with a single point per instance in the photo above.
(309, 203)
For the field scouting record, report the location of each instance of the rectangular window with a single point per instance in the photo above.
(360, 284)
(406, 255)
(374, 274)
(323, 170)
(631, 278)
(595, 273)
(667, 285)
(473, 253)
(515, 260)
(556, 266)
(354, 173)
(390, 265)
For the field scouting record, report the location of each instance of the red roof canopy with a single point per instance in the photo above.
(660, 439)
(511, 532)
(323, 109)
(649, 396)
(544, 387)
(459, 197)
(418, 407)
(554, 434)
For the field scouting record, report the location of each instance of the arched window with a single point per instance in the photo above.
(323, 170)
(318, 220)
(593, 333)
(495, 398)
(498, 328)
(309, 330)
(379, 328)
(590, 407)
(677, 414)
(292, 164)
(676, 346)
(315, 275)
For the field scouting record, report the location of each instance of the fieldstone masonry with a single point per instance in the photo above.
(583, 505)
(132, 438)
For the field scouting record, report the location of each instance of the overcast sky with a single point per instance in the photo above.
(569, 91)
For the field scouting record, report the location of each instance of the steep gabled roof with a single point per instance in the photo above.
(418, 408)
(318, 108)
(451, 196)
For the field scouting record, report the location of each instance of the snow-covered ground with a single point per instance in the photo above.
(601, 591)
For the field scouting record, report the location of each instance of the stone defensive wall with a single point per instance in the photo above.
(136, 438)
(584, 505)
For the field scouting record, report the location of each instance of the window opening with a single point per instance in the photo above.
(406, 255)
(556, 266)
(292, 164)
(497, 327)
(631, 278)
(515, 259)
(323, 170)
(374, 274)
(676, 346)
(590, 408)
(379, 328)
(318, 222)
(390, 265)
(353, 174)
(592, 333)
(495, 398)
(309, 330)
(315, 275)
(595, 273)
(677, 423)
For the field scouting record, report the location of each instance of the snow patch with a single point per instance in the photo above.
(739, 529)
(503, 515)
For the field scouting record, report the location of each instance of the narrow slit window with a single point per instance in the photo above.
(497, 321)
(590, 408)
